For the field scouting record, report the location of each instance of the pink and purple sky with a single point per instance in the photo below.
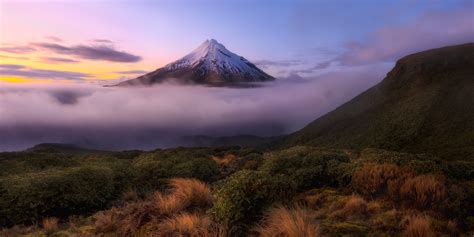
(91, 41)
(55, 56)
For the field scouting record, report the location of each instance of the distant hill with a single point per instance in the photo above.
(239, 140)
(211, 63)
(59, 147)
(424, 105)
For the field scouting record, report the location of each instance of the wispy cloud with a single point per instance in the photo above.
(22, 71)
(13, 57)
(317, 67)
(58, 60)
(132, 72)
(11, 66)
(278, 63)
(92, 52)
(106, 41)
(17, 49)
(430, 30)
(54, 38)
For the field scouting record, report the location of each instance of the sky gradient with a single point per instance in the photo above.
(100, 41)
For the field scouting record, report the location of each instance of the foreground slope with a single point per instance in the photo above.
(425, 104)
(210, 63)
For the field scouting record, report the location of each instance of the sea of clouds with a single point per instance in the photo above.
(120, 118)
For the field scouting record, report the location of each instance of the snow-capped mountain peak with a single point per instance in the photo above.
(211, 62)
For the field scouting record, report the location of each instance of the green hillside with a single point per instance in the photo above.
(424, 105)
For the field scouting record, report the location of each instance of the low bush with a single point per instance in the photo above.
(308, 167)
(242, 197)
(30, 197)
(153, 169)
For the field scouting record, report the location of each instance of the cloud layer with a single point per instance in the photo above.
(430, 30)
(91, 52)
(146, 118)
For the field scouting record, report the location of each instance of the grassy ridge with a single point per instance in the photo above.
(424, 105)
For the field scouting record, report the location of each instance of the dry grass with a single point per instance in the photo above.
(130, 195)
(424, 191)
(418, 226)
(355, 205)
(50, 224)
(185, 193)
(286, 222)
(105, 221)
(186, 224)
(378, 179)
(224, 161)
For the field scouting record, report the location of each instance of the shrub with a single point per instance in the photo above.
(423, 191)
(282, 221)
(28, 198)
(419, 226)
(153, 169)
(308, 167)
(242, 197)
(50, 225)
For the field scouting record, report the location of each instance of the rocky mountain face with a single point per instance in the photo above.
(211, 63)
(424, 105)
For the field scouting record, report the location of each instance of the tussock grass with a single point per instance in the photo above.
(424, 191)
(224, 161)
(355, 205)
(418, 226)
(185, 193)
(282, 221)
(50, 224)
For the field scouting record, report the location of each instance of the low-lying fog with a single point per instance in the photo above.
(147, 118)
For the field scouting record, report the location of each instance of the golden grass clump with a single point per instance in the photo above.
(355, 205)
(105, 221)
(134, 217)
(186, 224)
(185, 193)
(286, 222)
(424, 190)
(376, 179)
(224, 161)
(130, 195)
(419, 226)
(50, 224)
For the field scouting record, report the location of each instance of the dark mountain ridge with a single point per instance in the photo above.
(424, 105)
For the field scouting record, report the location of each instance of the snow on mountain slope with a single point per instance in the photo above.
(210, 63)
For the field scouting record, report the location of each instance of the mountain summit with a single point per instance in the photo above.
(210, 63)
